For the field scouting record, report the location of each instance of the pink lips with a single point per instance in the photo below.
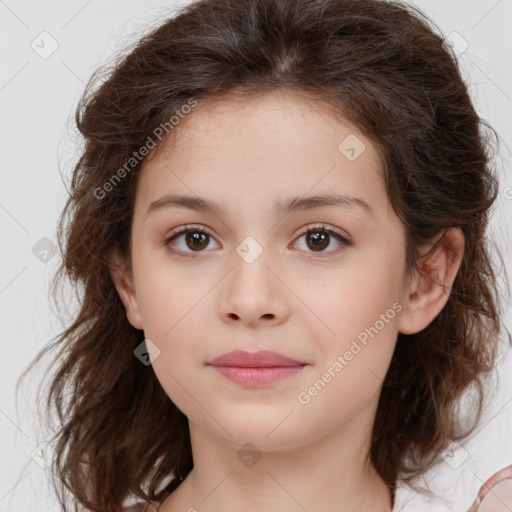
(256, 369)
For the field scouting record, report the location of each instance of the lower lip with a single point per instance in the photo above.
(258, 377)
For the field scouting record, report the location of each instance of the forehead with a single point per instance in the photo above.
(253, 148)
(265, 114)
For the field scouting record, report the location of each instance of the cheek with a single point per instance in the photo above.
(347, 382)
(355, 298)
(175, 306)
(169, 319)
(168, 297)
(356, 358)
(361, 308)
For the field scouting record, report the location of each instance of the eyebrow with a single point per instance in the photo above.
(281, 207)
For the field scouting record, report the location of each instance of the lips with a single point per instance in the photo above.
(257, 369)
(261, 359)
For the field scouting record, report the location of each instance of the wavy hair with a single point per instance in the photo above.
(381, 65)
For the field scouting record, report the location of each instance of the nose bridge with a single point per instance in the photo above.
(251, 250)
(252, 291)
(250, 260)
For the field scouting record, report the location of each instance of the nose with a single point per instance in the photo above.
(253, 294)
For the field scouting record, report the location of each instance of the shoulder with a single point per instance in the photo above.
(495, 495)
(501, 479)
(407, 499)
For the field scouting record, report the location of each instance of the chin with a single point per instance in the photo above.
(266, 435)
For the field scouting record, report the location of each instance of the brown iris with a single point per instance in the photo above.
(195, 237)
(319, 239)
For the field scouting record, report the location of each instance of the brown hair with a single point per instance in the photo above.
(381, 66)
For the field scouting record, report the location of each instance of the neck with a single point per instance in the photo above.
(316, 477)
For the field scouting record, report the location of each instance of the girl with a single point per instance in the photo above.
(278, 222)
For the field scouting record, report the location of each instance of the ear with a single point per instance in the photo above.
(121, 274)
(428, 291)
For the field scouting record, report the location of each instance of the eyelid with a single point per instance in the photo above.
(188, 227)
(308, 227)
(324, 227)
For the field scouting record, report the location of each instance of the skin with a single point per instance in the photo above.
(306, 304)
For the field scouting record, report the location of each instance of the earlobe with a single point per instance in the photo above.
(430, 289)
(123, 281)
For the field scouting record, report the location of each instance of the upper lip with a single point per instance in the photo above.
(261, 359)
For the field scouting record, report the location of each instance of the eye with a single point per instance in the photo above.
(195, 238)
(319, 237)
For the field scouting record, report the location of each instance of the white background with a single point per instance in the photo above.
(37, 100)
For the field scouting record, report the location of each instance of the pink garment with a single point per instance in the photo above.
(501, 475)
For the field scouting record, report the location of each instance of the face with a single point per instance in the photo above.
(320, 283)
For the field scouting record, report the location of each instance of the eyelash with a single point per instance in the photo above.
(309, 228)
